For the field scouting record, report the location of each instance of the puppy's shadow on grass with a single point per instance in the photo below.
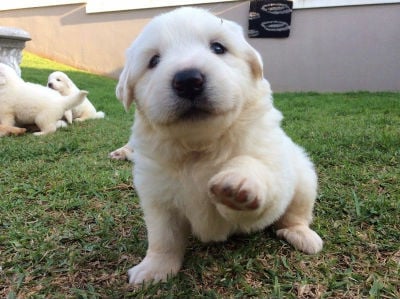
(231, 255)
(219, 266)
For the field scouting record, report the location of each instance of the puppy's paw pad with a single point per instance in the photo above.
(235, 191)
(302, 238)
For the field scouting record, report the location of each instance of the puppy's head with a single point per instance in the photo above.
(189, 66)
(59, 81)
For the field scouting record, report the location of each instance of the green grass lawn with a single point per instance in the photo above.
(71, 225)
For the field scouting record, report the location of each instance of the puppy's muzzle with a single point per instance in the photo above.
(188, 84)
(50, 85)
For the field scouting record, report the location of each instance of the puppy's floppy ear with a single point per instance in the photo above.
(253, 58)
(68, 82)
(250, 55)
(125, 88)
(131, 72)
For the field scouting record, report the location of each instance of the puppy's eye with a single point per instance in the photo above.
(154, 61)
(217, 48)
(58, 79)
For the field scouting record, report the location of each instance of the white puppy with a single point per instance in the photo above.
(210, 156)
(64, 85)
(26, 103)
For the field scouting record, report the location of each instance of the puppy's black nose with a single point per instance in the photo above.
(50, 85)
(188, 84)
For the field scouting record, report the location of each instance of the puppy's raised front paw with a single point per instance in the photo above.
(302, 238)
(236, 191)
(154, 269)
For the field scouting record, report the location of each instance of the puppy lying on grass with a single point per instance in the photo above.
(210, 156)
(24, 103)
(65, 86)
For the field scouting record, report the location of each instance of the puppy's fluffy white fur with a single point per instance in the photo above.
(25, 103)
(213, 161)
(64, 85)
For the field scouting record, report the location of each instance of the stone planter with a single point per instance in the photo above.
(12, 42)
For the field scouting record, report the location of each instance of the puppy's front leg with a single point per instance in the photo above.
(167, 237)
(123, 153)
(245, 184)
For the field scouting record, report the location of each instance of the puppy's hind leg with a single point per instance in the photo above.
(293, 226)
(7, 130)
(7, 126)
(7, 119)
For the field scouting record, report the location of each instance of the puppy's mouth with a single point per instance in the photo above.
(195, 113)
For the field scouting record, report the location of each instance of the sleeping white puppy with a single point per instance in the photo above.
(210, 156)
(25, 103)
(63, 84)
